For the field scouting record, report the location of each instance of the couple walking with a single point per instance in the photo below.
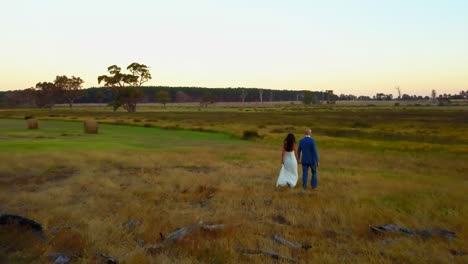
(306, 154)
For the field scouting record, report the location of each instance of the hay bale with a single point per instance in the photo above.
(91, 126)
(33, 123)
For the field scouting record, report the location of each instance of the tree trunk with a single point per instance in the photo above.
(131, 108)
(243, 95)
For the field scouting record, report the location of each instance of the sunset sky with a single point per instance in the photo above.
(350, 46)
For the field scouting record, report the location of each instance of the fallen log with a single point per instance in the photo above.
(424, 233)
(213, 227)
(285, 242)
(33, 226)
(180, 233)
(177, 235)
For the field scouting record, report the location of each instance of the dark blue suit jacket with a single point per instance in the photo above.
(308, 151)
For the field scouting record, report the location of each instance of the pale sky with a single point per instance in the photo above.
(350, 46)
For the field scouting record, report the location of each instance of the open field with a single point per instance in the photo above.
(121, 189)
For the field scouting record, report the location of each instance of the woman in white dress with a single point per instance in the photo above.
(288, 174)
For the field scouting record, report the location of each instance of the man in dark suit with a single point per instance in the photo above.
(309, 158)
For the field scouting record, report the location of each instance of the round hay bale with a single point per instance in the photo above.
(91, 126)
(33, 123)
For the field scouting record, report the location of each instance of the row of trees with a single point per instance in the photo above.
(47, 94)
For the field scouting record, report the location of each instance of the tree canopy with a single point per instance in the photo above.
(126, 85)
(163, 97)
(71, 88)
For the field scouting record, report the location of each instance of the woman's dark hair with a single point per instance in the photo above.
(289, 142)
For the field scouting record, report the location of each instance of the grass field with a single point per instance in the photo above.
(63, 136)
(379, 165)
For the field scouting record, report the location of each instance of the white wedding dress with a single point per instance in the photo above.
(288, 174)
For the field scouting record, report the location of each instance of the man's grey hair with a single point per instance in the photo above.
(308, 131)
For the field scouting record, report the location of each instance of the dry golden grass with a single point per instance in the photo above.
(101, 191)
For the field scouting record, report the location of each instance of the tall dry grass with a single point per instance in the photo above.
(84, 199)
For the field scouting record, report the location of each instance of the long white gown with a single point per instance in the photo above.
(288, 173)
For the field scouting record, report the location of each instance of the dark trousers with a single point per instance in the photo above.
(305, 175)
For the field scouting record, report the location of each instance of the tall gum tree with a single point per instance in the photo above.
(70, 87)
(126, 87)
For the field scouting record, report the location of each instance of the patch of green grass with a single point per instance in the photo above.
(63, 135)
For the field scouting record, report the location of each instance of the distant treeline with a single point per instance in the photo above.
(198, 94)
(176, 94)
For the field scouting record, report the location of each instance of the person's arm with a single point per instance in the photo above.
(299, 153)
(295, 153)
(282, 156)
(315, 153)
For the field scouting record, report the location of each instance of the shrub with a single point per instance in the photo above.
(250, 134)
(397, 104)
(147, 125)
(443, 101)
